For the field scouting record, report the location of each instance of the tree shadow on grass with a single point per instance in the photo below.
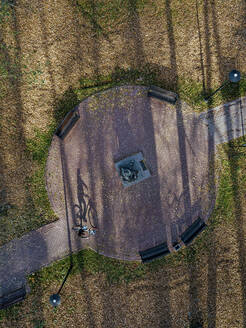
(25, 260)
(195, 315)
(225, 65)
(12, 78)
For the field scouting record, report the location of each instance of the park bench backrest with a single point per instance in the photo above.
(67, 124)
(151, 254)
(12, 297)
(189, 234)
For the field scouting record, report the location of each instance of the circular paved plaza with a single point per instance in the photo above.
(82, 180)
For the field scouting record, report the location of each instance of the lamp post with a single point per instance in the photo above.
(55, 299)
(234, 77)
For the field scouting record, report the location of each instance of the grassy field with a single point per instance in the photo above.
(54, 54)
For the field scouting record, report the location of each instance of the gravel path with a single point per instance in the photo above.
(178, 146)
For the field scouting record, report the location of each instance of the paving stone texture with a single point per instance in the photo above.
(82, 182)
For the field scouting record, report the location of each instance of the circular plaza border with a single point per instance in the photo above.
(82, 180)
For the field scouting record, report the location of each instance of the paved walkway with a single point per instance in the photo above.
(39, 248)
(173, 140)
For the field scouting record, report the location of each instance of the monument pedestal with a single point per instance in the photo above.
(132, 169)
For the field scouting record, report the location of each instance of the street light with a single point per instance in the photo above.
(55, 299)
(234, 77)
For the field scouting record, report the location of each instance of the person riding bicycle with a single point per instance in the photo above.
(84, 232)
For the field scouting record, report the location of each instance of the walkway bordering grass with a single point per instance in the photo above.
(40, 212)
(87, 263)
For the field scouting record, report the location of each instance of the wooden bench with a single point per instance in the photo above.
(162, 94)
(67, 124)
(189, 234)
(13, 297)
(153, 253)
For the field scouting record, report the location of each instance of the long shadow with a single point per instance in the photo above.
(138, 59)
(14, 81)
(179, 114)
(223, 68)
(97, 164)
(123, 122)
(67, 195)
(207, 45)
(46, 50)
(212, 286)
(69, 205)
(69, 202)
(99, 147)
(78, 35)
(97, 29)
(17, 271)
(212, 272)
(200, 45)
(128, 142)
(89, 12)
(234, 165)
(73, 208)
(212, 141)
(91, 160)
(71, 217)
(195, 313)
(99, 185)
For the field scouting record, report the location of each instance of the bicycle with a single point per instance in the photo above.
(84, 229)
